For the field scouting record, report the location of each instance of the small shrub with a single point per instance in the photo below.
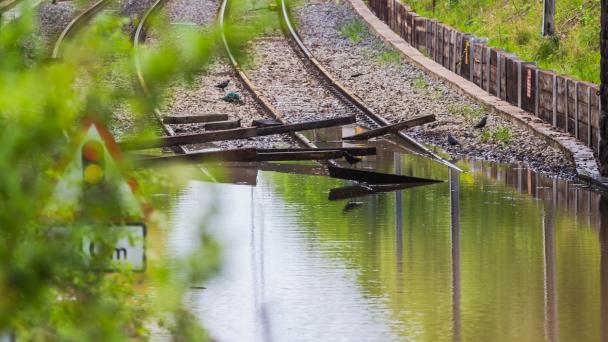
(354, 30)
(388, 57)
(523, 37)
(420, 83)
(502, 135)
(485, 136)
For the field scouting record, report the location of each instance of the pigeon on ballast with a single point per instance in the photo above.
(232, 97)
(452, 141)
(222, 85)
(482, 123)
(352, 160)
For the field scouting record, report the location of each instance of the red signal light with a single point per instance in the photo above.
(92, 151)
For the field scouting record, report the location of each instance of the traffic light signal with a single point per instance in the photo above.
(92, 163)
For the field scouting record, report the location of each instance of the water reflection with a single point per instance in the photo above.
(495, 253)
(455, 242)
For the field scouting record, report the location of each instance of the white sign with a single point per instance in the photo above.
(129, 251)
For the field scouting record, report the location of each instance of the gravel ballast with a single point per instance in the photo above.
(282, 78)
(53, 18)
(398, 90)
(203, 97)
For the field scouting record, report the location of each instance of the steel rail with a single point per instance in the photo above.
(7, 5)
(266, 106)
(138, 38)
(348, 97)
(77, 23)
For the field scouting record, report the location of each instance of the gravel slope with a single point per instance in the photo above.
(398, 90)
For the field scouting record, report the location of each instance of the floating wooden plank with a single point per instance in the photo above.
(191, 119)
(306, 155)
(243, 154)
(234, 134)
(372, 133)
(364, 190)
(355, 151)
(373, 177)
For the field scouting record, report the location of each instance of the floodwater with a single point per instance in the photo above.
(497, 253)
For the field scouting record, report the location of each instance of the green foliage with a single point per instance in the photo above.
(50, 290)
(470, 113)
(515, 25)
(388, 56)
(420, 83)
(500, 134)
(354, 30)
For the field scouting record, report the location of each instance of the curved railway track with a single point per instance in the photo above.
(264, 104)
(76, 24)
(6, 5)
(366, 116)
(370, 119)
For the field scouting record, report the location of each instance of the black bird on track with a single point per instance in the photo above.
(222, 85)
(482, 123)
(452, 141)
(352, 160)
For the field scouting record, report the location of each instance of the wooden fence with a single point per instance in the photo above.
(564, 102)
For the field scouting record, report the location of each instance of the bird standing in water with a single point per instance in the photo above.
(482, 123)
(222, 85)
(452, 141)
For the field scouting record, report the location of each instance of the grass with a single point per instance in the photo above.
(354, 30)
(421, 83)
(471, 114)
(500, 134)
(515, 25)
(388, 56)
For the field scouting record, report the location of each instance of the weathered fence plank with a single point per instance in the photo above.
(527, 87)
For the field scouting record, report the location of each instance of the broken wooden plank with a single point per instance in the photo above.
(219, 125)
(265, 123)
(306, 155)
(364, 190)
(243, 154)
(191, 119)
(372, 133)
(373, 177)
(355, 151)
(234, 134)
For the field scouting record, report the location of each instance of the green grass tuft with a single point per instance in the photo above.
(388, 57)
(354, 30)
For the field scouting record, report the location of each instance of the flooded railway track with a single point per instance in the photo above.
(306, 88)
(203, 104)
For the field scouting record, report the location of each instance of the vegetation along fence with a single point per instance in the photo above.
(564, 102)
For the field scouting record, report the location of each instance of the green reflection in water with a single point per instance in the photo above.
(524, 273)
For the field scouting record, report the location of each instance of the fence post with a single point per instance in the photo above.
(603, 126)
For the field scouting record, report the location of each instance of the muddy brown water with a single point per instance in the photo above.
(497, 253)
